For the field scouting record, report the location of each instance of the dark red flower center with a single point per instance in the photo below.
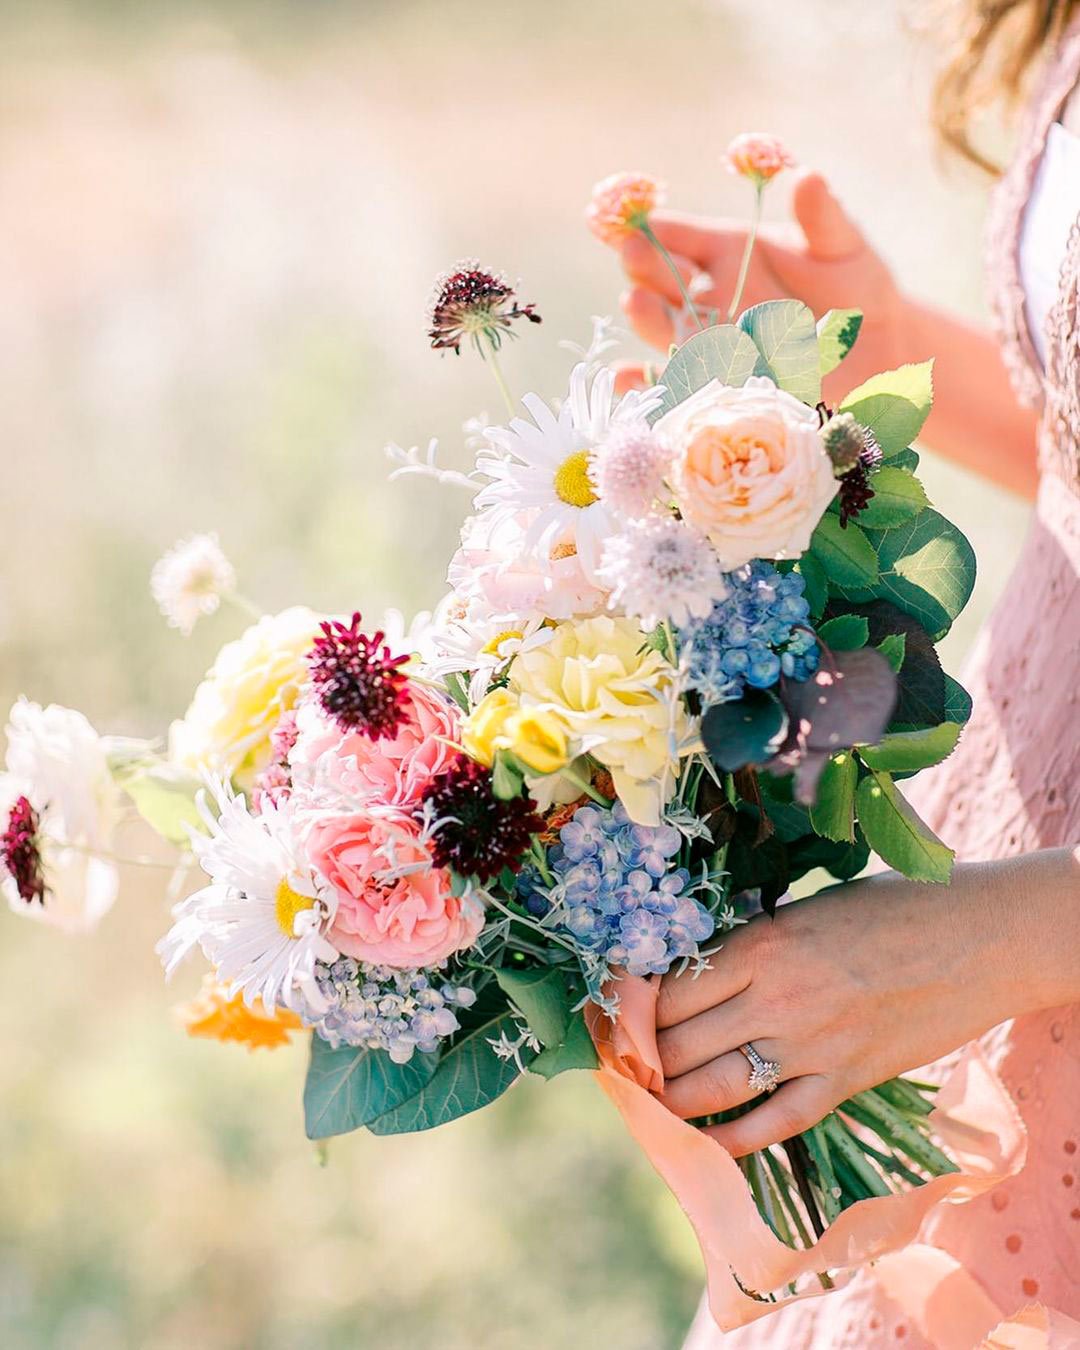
(20, 851)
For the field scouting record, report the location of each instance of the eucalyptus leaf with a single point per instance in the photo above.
(910, 751)
(894, 405)
(833, 811)
(723, 353)
(845, 554)
(897, 834)
(744, 731)
(785, 334)
(897, 497)
(349, 1087)
(164, 796)
(836, 332)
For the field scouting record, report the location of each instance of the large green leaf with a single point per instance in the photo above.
(845, 633)
(164, 796)
(927, 569)
(723, 353)
(837, 331)
(576, 1051)
(897, 497)
(349, 1087)
(469, 1075)
(785, 334)
(957, 701)
(897, 834)
(833, 811)
(845, 554)
(817, 583)
(910, 751)
(542, 999)
(894, 405)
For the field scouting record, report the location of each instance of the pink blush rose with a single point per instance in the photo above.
(385, 917)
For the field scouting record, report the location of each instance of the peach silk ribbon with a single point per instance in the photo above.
(975, 1119)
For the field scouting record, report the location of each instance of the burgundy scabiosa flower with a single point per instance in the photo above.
(855, 455)
(20, 852)
(469, 302)
(855, 489)
(477, 833)
(358, 681)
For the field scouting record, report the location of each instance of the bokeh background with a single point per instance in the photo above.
(218, 226)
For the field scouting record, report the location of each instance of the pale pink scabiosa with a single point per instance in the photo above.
(394, 907)
(662, 570)
(758, 156)
(189, 581)
(470, 303)
(262, 921)
(628, 469)
(621, 204)
(357, 681)
(542, 467)
(472, 830)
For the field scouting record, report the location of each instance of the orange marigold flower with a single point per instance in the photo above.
(758, 156)
(621, 204)
(218, 1017)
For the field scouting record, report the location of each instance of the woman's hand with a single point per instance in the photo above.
(848, 989)
(821, 259)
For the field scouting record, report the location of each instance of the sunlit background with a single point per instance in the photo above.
(218, 226)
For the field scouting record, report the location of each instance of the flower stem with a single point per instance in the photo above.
(106, 855)
(243, 604)
(647, 230)
(744, 266)
(492, 358)
(576, 780)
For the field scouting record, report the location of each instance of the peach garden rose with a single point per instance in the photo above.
(749, 469)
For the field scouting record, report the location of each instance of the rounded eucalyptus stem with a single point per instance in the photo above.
(748, 251)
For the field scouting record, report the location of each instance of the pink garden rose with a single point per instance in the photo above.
(758, 156)
(749, 469)
(327, 764)
(386, 913)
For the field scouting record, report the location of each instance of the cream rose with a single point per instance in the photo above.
(750, 469)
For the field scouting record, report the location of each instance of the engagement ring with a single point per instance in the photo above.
(764, 1073)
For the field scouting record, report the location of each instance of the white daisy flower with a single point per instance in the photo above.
(659, 569)
(467, 635)
(543, 466)
(261, 923)
(189, 580)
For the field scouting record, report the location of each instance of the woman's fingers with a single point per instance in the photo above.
(792, 1108)
(629, 375)
(717, 1086)
(729, 973)
(649, 317)
(699, 1039)
(831, 234)
(646, 266)
(693, 237)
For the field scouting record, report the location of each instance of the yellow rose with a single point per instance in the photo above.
(615, 697)
(252, 682)
(481, 730)
(498, 722)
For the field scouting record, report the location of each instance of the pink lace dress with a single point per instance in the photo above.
(1012, 787)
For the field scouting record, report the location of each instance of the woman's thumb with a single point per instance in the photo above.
(830, 232)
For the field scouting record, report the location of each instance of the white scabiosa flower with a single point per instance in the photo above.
(629, 467)
(261, 922)
(660, 570)
(543, 466)
(189, 580)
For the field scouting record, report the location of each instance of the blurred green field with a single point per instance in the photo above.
(218, 227)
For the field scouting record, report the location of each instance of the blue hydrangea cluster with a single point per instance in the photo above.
(621, 897)
(399, 1011)
(754, 635)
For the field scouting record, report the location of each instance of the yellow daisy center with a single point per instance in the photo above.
(288, 904)
(492, 648)
(572, 482)
(561, 551)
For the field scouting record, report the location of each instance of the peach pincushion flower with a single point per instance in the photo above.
(750, 470)
(213, 1014)
(621, 204)
(394, 907)
(758, 156)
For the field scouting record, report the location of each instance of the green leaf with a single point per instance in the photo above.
(927, 569)
(836, 332)
(845, 633)
(506, 778)
(165, 798)
(785, 334)
(897, 834)
(904, 459)
(576, 1051)
(833, 811)
(846, 555)
(897, 497)
(745, 731)
(892, 647)
(957, 701)
(469, 1075)
(817, 584)
(894, 405)
(349, 1087)
(909, 751)
(723, 353)
(542, 999)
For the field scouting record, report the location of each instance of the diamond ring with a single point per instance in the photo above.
(764, 1073)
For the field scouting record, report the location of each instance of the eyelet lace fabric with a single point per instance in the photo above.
(1012, 787)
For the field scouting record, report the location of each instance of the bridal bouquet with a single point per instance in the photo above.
(686, 654)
